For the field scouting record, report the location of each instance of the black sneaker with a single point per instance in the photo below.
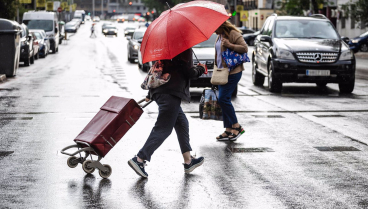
(138, 167)
(196, 162)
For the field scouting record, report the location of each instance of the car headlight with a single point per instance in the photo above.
(105, 31)
(284, 54)
(116, 31)
(126, 32)
(355, 41)
(346, 55)
(135, 46)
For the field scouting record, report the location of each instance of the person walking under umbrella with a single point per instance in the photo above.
(93, 31)
(229, 37)
(171, 116)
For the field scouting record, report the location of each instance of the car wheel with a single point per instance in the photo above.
(347, 87)
(37, 56)
(274, 85)
(32, 59)
(321, 84)
(364, 48)
(251, 43)
(257, 78)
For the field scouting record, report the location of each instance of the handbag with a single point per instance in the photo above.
(219, 76)
(208, 105)
(233, 59)
(155, 78)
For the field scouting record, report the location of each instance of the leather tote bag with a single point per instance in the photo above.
(220, 76)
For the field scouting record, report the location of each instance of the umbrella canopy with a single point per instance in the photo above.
(180, 28)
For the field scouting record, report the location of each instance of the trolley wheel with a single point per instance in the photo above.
(106, 175)
(86, 168)
(72, 162)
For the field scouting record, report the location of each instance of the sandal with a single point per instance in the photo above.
(233, 136)
(224, 138)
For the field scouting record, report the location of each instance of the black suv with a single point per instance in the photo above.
(303, 50)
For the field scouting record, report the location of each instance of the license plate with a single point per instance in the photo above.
(317, 73)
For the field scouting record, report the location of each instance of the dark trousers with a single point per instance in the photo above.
(225, 92)
(170, 115)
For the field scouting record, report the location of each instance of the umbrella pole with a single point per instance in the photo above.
(195, 55)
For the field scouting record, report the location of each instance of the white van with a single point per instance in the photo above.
(46, 21)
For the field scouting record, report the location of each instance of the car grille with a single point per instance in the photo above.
(317, 57)
(209, 63)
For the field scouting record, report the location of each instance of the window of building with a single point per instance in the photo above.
(138, 7)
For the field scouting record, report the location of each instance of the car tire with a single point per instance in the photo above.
(140, 66)
(274, 85)
(27, 62)
(257, 78)
(347, 87)
(37, 56)
(321, 84)
(364, 48)
(53, 50)
(32, 58)
(251, 43)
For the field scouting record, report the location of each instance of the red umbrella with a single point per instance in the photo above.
(180, 28)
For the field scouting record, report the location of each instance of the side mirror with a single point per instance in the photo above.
(56, 30)
(29, 37)
(266, 39)
(128, 38)
(345, 39)
(140, 41)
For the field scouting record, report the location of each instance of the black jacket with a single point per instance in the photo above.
(181, 70)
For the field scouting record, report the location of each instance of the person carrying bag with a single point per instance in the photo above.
(229, 37)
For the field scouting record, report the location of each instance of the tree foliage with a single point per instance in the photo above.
(296, 7)
(160, 5)
(8, 9)
(357, 10)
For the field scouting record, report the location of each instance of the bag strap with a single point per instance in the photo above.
(195, 55)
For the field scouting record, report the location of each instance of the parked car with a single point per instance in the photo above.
(246, 30)
(36, 47)
(249, 38)
(43, 42)
(78, 22)
(110, 30)
(128, 31)
(46, 21)
(96, 19)
(134, 43)
(71, 27)
(359, 43)
(144, 66)
(26, 46)
(303, 50)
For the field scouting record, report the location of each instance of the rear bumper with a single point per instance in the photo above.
(294, 71)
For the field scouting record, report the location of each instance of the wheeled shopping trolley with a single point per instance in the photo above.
(102, 133)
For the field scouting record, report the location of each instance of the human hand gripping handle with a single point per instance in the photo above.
(204, 67)
(225, 42)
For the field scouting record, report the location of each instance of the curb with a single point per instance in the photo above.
(2, 77)
(361, 55)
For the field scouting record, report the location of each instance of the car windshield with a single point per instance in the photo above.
(364, 34)
(207, 44)
(38, 35)
(138, 35)
(305, 29)
(39, 24)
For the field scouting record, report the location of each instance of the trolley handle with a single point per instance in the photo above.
(79, 151)
(145, 105)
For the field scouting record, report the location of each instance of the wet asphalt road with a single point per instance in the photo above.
(304, 148)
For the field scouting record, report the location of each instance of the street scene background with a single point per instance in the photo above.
(305, 147)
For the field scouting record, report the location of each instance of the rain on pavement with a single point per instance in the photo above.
(306, 147)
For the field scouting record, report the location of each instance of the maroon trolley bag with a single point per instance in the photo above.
(103, 132)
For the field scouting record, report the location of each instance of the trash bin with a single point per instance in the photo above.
(9, 47)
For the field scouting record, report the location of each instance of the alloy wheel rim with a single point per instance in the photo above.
(364, 47)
